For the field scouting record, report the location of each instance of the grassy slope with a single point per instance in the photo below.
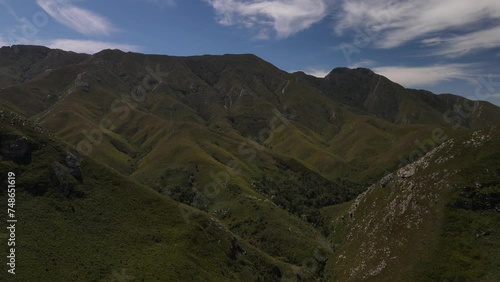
(196, 119)
(115, 225)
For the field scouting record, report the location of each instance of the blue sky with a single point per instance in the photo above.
(447, 46)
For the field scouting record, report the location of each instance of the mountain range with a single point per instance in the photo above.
(134, 167)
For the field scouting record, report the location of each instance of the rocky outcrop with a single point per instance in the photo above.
(235, 249)
(407, 171)
(67, 177)
(73, 165)
(17, 149)
(386, 180)
(382, 222)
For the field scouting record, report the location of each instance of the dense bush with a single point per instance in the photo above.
(481, 190)
(303, 192)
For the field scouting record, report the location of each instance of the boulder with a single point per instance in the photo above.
(386, 180)
(73, 165)
(407, 171)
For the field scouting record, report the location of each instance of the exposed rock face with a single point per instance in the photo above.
(386, 180)
(73, 164)
(235, 249)
(407, 171)
(68, 177)
(60, 179)
(17, 148)
(403, 213)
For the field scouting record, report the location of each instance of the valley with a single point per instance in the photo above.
(226, 168)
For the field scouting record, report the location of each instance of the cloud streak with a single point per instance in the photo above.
(3, 42)
(394, 23)
(474, 41)
(87, 46)
(317, 72)
(283, 17)
(448, 27)
(425, 76)
(75, 45)
(76, 18)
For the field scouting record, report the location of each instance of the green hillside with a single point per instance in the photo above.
(226, 168)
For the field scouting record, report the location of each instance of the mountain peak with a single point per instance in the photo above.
(268, 169)
(24, 49)
(350, 71)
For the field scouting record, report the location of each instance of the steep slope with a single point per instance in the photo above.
(89, 223)
(20, 63)
(375, 94)
(432, 220)
(235, 95)
(260, 150)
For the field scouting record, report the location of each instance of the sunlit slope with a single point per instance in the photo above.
(80, 221)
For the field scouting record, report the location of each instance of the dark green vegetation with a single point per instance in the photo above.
(304, 193)
(98, 225)
(468, 250)
(225, 168)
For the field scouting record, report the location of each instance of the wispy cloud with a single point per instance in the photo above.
(321, 72)
(474, 41)
(363, 64)
(284, 17)
(3, 42)
(426, 76)
(317, 72)
(87, 46)
(9, 9)
(393, 23)
(314, 71)
(75, 45)
(76, 18)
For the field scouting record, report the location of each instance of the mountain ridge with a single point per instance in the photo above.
(269, 156)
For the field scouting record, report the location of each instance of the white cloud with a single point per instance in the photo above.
(3, 42)
(314, 71)
(425, 76)
(458, 45)
(363, 64)
(87, 46)
(81, 20)
(389, 23)
(284, 17)
(75, 45)
(321, 73)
